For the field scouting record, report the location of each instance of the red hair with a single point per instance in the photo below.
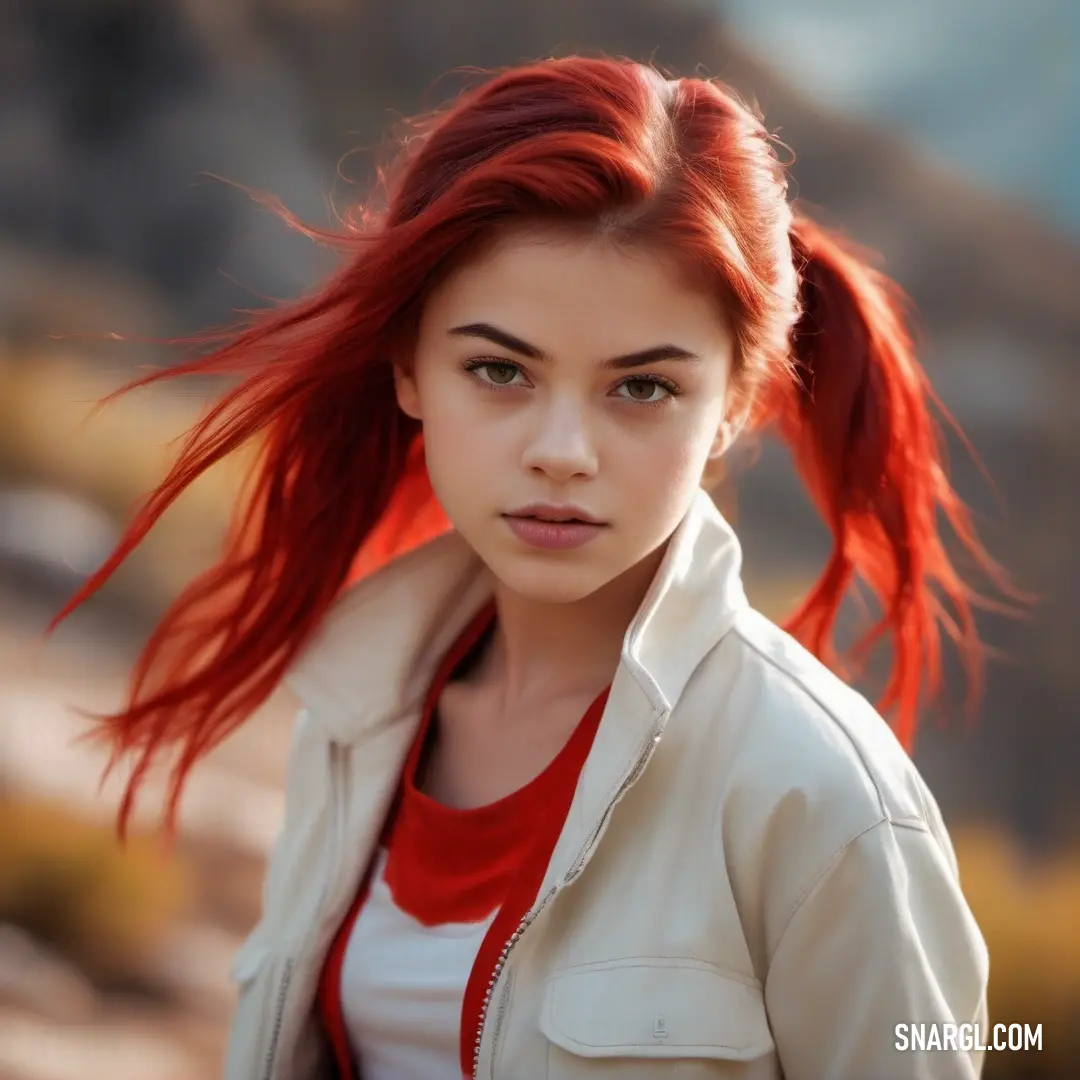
(340, 487)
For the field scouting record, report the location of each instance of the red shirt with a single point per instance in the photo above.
(446, 865)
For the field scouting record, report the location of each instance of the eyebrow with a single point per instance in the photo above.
(654, 354)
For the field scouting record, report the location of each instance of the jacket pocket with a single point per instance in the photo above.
(261, 977)
(645, 1011)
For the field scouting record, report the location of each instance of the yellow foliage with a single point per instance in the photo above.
(69, 883)
(1029, 912)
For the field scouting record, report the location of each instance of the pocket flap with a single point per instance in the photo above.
(658, 1008)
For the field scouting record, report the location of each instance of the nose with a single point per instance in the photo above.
(561, 447)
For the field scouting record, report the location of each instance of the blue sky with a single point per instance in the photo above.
(989, 86)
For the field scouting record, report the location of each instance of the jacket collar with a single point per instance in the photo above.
(377, 649)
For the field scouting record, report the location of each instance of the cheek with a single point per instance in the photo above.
(457, 431)
(666, 462)
(459, 448)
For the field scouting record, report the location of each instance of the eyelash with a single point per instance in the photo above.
(473, 366)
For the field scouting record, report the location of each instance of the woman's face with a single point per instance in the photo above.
(557, 376)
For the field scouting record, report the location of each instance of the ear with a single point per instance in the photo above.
(729, 430)
(408, 396)
(726, 434)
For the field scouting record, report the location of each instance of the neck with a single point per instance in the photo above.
(543, 651)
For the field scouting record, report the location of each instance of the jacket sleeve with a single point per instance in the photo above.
(883, 937)
(258, 968)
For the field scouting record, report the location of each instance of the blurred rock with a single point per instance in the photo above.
(34, 1049)
(130, 100)
(43, 755)
(194, 966)
(50, 535)
(34, 978)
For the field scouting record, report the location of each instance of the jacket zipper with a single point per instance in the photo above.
(531, 916)
(275, 1033)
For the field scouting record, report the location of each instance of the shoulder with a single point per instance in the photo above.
(809, 762)
(817, 731)
(807, 775)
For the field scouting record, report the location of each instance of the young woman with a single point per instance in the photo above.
(560, 803)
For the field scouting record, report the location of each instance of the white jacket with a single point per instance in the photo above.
(752, 882)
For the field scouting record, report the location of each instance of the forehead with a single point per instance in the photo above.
(555, 288)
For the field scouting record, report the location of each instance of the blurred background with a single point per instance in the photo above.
(943, 134)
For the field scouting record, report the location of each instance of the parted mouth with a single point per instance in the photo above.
(556, 515)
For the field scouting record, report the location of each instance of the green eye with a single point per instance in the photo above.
(493, 373)
(500, 374)
(641, 389)
(645, 391)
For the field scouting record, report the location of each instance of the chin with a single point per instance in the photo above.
(548, 580)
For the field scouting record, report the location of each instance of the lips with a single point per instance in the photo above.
(555, 515)
(553, 529)
(551, 520)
